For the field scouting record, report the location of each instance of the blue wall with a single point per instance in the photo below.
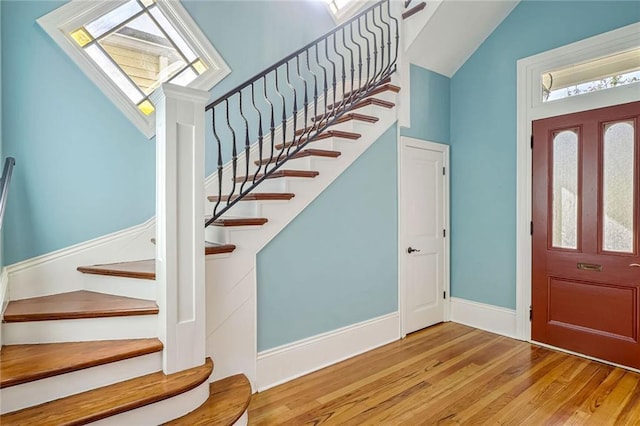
(430, 106)
(336, 263)
(83, 169)
(483, 136)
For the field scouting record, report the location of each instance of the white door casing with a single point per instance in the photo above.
(530, 107)
(423, 219)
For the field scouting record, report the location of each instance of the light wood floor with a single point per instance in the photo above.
(452, 374)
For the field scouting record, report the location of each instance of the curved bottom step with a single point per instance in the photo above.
(117, 399)
(228, 402)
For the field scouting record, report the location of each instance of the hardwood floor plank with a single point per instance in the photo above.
(453, 374)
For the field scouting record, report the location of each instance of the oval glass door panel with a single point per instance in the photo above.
(618, 188)
(565, 190)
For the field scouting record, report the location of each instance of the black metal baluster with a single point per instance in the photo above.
(272, 127)
(334, 83)
(397, 26)
(284, 119)
(351, 64)
(315, 92)
(306, 95)
(387, 70)
(247, 145)
(359, 46)
(325, 87)
(220, 164)
(260, 133)
(368, 58)
(234, 153)
(370, 78)
(295, 111)
(343, 77)
(378, 74)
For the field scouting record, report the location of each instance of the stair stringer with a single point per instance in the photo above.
(232, 281)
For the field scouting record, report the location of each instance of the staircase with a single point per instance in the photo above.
(89, 352)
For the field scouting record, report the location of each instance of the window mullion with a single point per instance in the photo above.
(144, 95)
(155, 21)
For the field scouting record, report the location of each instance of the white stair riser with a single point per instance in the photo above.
(162, 411)
(121, 286)
(80, 330)
(40, 391)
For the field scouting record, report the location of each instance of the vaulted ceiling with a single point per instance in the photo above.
(454, 30)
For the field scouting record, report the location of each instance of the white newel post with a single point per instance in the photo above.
(180, 225)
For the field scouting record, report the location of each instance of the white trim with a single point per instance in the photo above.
(31, 277)
(494, 319)
(406, 141)
(529, 108)
(80, 247)
(76, 13)
(4, 298)
(604, 361)
(287, 362)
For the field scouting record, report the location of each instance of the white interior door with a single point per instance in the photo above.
(423, 228)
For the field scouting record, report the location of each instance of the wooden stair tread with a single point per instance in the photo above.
(75, 305)
(324, 135)
(229, 399)
(384, 87)
(309, 152)
(415, 9)
(215, 248)
(212, 248)
(282, 173)
(360, 104)
(240, 221)
(346, 117)
(26, 363)
(107, 401)
(143, 269)
(256, 196)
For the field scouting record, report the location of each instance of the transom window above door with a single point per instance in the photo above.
(602, 73)
(129, 48)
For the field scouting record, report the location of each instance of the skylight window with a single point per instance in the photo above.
(603, 73)
(129, 48)
(344, 9)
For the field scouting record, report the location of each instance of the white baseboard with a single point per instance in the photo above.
(494, 319)
(287, 362)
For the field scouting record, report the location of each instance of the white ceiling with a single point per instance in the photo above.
(456, 29)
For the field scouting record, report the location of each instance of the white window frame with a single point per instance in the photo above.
(530, 107)
(62, 21)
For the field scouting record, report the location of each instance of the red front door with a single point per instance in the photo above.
(586, 248)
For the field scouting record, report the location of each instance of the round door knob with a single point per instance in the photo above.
(411, 250)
